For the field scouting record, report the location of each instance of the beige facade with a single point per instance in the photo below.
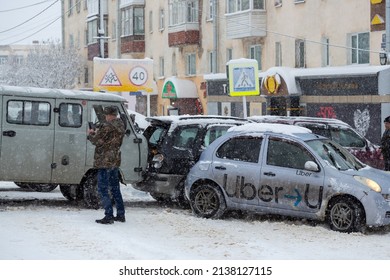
(296, 34)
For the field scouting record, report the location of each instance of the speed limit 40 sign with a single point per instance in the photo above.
(138, 76)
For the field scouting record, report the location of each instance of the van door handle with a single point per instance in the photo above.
(269, 174)
(220, 167)
(9, 133)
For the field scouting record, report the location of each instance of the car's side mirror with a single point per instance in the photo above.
(311, 166)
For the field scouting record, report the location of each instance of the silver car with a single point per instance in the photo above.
(286, 170)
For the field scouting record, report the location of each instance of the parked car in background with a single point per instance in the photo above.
(175, 144)
(286, 170)
(336, 130)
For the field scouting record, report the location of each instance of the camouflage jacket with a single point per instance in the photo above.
(108, 140)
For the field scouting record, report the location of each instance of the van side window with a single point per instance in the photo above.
(70, 115)
(28, 112)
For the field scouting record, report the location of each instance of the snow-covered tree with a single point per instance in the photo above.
(47, 66)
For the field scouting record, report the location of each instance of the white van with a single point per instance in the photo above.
(43, 140)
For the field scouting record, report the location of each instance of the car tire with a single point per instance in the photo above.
(72, 192)
(345, 215)
(207, 201)
(90, 192)
(37, 187)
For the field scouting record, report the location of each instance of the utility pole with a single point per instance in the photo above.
(101, 29)
(215, 37)
(387, 27)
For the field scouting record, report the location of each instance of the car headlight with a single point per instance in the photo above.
(157, 160)
(369, 183)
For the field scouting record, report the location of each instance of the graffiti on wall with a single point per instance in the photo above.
(361, 120)
(326, 112)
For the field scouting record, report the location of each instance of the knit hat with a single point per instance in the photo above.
(387, 119)
(110, 110)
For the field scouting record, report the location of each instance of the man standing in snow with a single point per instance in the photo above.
(107, 159)
(385, 144)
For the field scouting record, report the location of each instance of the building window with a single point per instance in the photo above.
(235, 6)
(92, 27)
(162, 20)
(278, 3)
(151, 21)
(278, 54)
(3, 59)
(299, 1)
(300, 53)
(86, 77)
(255, 53)
(183, 11)
(258, 5)
(190, 64)
(229, 54)
(113, 30)
(359, 43)
(211, 10)
(132, 20)
(161, 66)
(70, 7)
(211, 62)
(71, 41)
(78, 6)
(174, 68)
(325, 52)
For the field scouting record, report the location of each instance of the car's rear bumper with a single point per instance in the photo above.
(160, 183)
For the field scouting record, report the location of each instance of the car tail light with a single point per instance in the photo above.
(157, 160)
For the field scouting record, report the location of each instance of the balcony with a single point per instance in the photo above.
(183, 34)
(250, 23)
(133, 44)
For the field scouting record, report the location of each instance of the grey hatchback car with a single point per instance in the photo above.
(286, 170)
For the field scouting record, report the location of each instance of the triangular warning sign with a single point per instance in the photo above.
(244, 81)
(110, 79)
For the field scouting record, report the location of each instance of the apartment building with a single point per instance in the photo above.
(313, 52)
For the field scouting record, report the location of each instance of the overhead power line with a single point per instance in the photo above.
(3, 31)
(20, 8)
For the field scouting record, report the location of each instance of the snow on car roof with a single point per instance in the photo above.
(270, 127)
(296, 119)
(202, 120)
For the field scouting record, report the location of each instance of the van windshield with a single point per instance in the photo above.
(335, 155)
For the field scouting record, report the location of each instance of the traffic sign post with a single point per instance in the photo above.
(243, 77)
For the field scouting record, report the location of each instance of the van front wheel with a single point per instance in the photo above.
(72, 192)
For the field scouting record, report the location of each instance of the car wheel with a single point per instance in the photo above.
(37, 187)
(72, 192)
(345, 215)
(207, 201)
(90, 192)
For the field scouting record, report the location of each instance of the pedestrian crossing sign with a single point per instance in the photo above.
(243, 77)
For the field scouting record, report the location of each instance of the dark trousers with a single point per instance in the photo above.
(108, 183)
(387, 164)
